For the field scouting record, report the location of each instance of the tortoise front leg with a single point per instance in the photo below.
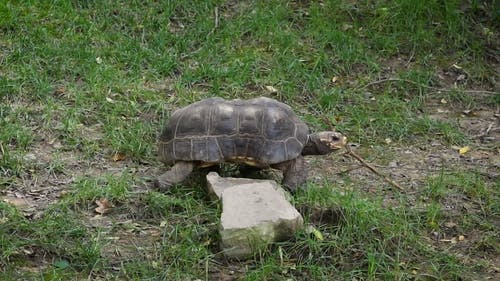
(176, 174)
(294, 172)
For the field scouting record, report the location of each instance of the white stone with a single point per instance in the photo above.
(254, 215)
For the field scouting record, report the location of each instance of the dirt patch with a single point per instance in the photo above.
(51, 171)
(125, 238)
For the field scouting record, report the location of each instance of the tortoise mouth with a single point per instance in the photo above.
(335, 142)
(339, 144)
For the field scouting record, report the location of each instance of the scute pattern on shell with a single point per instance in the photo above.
(261, 130)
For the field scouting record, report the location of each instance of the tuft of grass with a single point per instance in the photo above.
(112, 187)
(470, 184)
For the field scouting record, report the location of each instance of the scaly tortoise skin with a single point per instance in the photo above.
(259, 132)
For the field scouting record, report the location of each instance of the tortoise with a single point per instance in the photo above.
(259, 132)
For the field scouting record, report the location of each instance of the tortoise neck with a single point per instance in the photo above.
(310, 148)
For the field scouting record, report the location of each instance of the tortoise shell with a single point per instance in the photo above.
(259, 131)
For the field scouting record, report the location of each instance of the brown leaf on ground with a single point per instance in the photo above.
(271, 89)
(119, 157)
(60, 91)
(103, 206)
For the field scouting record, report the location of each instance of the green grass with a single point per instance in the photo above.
(84, 81)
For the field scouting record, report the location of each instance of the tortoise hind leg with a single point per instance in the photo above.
(294, 172)
(176, 174)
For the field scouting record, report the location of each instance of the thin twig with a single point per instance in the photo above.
(371, 168)
(489, 128)
(421, 85)
(350, 15)
(487, 131)
(216, 22)
(361, 160)
(411, 57)
(216, 17)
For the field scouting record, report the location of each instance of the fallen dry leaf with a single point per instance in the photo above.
(119, 157)
(60, 91)
(461, 77)
(271, 89)
(464, 150)
(314, 231)
(103, 206)
(28, 251)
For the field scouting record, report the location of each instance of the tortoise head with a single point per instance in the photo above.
(324, 143)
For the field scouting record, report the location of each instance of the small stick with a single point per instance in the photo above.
(487, 131)
(411, 57)
(216, 22)
(362, 161)
(489, 128)
(371, 168)
(216, 18)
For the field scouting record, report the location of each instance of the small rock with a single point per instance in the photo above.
(254, 215)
